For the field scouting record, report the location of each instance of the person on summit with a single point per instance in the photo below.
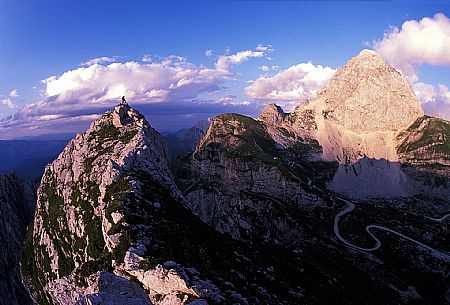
(124, 101)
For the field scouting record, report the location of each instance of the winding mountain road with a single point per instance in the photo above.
(351, 206)
(439, 219)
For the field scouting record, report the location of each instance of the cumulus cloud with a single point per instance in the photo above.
(418, 42)
(98, 60)
(231, 100)
(266, 68)
(208, 53)
(426, 41)
(147, 58)
(225, 62)
(14, 93)
(8, 103)
(294, 84)
(172, 78)
(264, 48)
(90, 90)
(435, 101)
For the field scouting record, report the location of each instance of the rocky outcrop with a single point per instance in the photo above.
(357, 114)
(359, 111)
(240, 172)
(272, 115)
(17, 202)
(425, 142)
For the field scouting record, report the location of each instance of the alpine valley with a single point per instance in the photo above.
(344, 200)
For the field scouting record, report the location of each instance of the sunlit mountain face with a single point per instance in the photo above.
(224, 153)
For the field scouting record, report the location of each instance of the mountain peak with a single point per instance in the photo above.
(368, 53)
(368, 95)
(367, 60)
(124, 115)
(272, 114)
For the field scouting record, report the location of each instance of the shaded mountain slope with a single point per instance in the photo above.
(17, 201)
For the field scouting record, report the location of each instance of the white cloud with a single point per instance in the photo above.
(8, 103)
(14, 93)
(294, 84)
(171, 78)
(426, 41)
(264, 48)
(435, 101)
(264, 68)
(92, 89)
(208, 53)
(417, 42)
(98, 60)
(225, 62)
(147, 58)
(231, 100)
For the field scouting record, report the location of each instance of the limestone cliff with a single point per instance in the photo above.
(368, 95)
(359, 111)
(240, 171)
(426, 141)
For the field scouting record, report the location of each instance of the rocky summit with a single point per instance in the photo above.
(345, 200)
(368, 95)
(93, 224)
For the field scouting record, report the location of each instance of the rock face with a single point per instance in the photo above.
(425, 142)
(235, 161)
(80, 216)
(83, 220)
(359, 111)
(273, 115)
(413, 160)
(17, 202)
(368, 95)
(357, 114)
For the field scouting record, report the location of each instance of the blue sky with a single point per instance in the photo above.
(40, 39)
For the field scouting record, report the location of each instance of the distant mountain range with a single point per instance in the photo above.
(28, 157)
(185, 140)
